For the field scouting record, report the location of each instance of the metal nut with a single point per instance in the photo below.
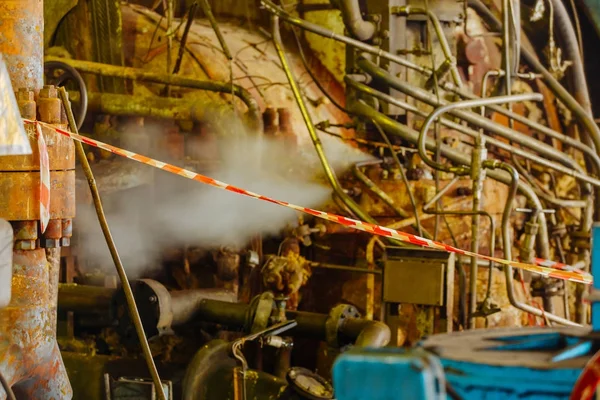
(25, 245)
(25, 94)
(48, 92)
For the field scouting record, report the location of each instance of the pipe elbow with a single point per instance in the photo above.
(357, 26)
(368, 333)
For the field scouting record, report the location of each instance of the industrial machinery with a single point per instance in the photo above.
(401, 132)
(525, 363)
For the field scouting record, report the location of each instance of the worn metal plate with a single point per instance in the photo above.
(416, 276)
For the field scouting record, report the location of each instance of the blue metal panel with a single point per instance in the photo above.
(388, 374)
(480, 381)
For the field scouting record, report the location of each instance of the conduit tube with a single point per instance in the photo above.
(448, 108)
(507, 177)
(559, 90)
(335, 184)
(473, 118)
(473, 133)
(393, 127)
(533, 125)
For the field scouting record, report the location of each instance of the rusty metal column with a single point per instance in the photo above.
(30, 359)
(22, 42)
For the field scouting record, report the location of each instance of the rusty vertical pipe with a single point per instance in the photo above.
(22, 41)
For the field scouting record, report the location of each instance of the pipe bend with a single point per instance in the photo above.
(357, 26)
(368, 333)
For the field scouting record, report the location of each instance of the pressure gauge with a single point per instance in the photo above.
(309, 385)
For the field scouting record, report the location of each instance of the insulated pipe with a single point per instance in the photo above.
(490, 140)
(155, 107)
(141, 75)
(368, 333)
(570, 47)
(472, 117)
(353, 20)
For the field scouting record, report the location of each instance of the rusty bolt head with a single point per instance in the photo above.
(48, 92)
(25, 94)
(25, 245)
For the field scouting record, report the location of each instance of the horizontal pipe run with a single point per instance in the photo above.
(471, 117)
(576, 144)
(84, 298)
(393, 127)
(473, 133)
(155, 107)
(319, 30)
(141, 75)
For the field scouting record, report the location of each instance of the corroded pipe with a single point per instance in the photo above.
(155, 106)
(171, 80)
(22, 44)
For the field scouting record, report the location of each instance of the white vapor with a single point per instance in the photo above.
(182, 212)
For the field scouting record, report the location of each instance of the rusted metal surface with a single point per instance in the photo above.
(156, 107)
(285, 276)
(255, 67)
(22, 41)
(20, 200)
(61, 153)
(29, 357)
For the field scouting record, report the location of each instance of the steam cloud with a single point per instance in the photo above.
(182, 212)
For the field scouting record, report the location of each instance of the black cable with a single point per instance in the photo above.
(314, 78)
(10, 395)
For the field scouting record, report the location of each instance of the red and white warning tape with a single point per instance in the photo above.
(565, 272)
(36, 132)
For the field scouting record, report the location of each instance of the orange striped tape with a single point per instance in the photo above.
(546, 268)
